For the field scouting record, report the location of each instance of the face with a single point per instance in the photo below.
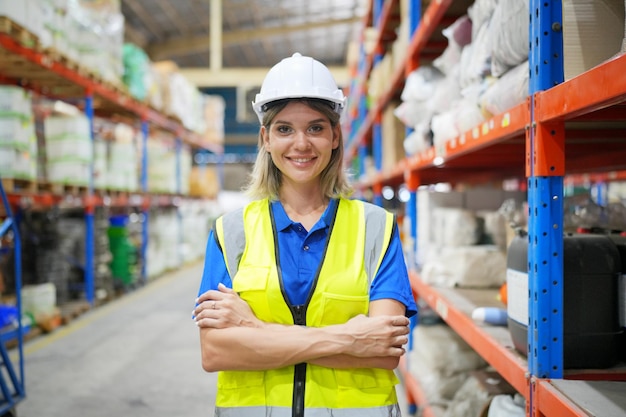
(300, 141)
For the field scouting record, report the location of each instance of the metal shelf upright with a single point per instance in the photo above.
(12, 390)
(545, 168)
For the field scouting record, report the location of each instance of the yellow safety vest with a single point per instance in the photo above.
(358, 239)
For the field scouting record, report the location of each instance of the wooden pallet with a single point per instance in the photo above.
(73, 310)
(16, 185)
(22, 35)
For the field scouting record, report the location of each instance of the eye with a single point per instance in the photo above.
(283, 129)
(316, 128)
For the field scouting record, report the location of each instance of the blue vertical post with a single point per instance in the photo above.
(90, 287)
(11, 223)
(545, 199)
(377, 7)
(145, 201)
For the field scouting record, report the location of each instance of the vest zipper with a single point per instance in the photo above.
(299, 315)
(299, 375)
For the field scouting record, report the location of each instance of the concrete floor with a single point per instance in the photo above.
(136, 356)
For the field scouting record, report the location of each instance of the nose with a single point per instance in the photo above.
(301, 140)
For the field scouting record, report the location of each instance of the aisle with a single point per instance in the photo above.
(137, 356)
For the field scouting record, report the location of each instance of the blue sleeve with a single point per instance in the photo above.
(392, 278)
(214, 267)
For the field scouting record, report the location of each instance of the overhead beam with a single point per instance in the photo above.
(235, 77)
(216, 35)
(195, 44)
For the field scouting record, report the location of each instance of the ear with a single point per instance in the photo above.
(265, 138)
(336, 135)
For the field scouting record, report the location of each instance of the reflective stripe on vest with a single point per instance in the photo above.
(386, 411)
(340, 292)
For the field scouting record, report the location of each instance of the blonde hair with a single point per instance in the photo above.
(265, 179)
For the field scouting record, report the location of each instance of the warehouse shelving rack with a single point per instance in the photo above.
(532, 140)
(25, 63)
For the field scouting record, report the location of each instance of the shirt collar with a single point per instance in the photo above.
(283, 221)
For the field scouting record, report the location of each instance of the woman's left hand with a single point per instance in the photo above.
(223, 308)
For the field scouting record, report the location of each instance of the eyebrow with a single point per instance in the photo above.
(321, 120)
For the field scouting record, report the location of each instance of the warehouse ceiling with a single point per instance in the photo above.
(254, 35)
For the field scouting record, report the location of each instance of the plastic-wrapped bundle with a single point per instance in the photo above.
(136, 66)
(480, 12)
(420, 87)
(476, 57)
(506, 92)
(509, 34)
(459, 34)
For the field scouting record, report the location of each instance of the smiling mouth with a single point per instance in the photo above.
(301, 160)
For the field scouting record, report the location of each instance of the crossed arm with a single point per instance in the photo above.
(232, 338)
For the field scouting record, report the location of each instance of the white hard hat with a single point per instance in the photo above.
(298, 77)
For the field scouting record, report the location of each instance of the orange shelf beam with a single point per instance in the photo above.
(498, 128)
(551, 402)
(600, 87)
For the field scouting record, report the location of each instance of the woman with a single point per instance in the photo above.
(304, 300)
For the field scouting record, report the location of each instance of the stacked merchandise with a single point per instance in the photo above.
(18, 143)
(165, 88)
(484, 70)
(69, 149)
(88, 32)
(463, 236)
(116, 157)
(163, 164)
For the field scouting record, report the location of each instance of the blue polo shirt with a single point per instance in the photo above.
(301, 253)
